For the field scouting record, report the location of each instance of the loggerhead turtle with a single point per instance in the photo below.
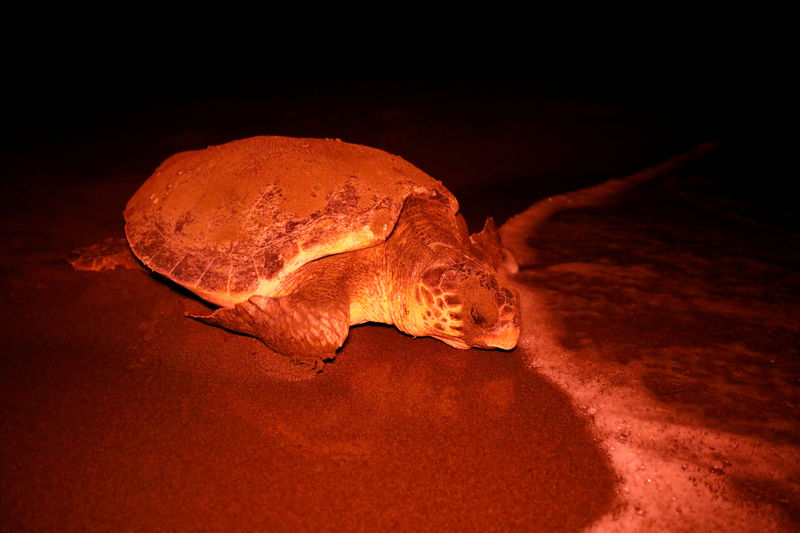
(297, 239)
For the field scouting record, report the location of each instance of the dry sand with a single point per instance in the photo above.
(121, 414)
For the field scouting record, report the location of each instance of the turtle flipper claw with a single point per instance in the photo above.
(290, 369)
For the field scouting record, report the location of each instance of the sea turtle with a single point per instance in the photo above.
(297, 239)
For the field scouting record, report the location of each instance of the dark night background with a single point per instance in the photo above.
(677, 82)
(722, 70)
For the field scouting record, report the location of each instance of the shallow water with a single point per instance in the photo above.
(669, 313)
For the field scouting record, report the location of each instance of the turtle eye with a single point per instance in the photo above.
(476, 316)
(483, 313)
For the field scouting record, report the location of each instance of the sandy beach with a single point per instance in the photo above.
(655, 387)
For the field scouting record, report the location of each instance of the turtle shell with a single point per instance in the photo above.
(234, 220)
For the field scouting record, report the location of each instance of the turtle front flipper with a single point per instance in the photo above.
(486, 245)
(306, 330)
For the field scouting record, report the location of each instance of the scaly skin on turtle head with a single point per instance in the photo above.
(461, 302)
(441, 289)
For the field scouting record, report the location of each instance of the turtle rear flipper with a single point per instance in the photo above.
(306, 330)
(107, 255)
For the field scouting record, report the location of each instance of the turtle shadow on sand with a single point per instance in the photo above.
(297, 239)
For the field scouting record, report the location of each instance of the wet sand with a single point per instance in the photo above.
(121, 414)
(669, 313)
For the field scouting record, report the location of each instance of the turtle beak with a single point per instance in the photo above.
(504, 336)
(454, 342)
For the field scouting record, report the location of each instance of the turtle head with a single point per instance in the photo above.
(460, 301)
